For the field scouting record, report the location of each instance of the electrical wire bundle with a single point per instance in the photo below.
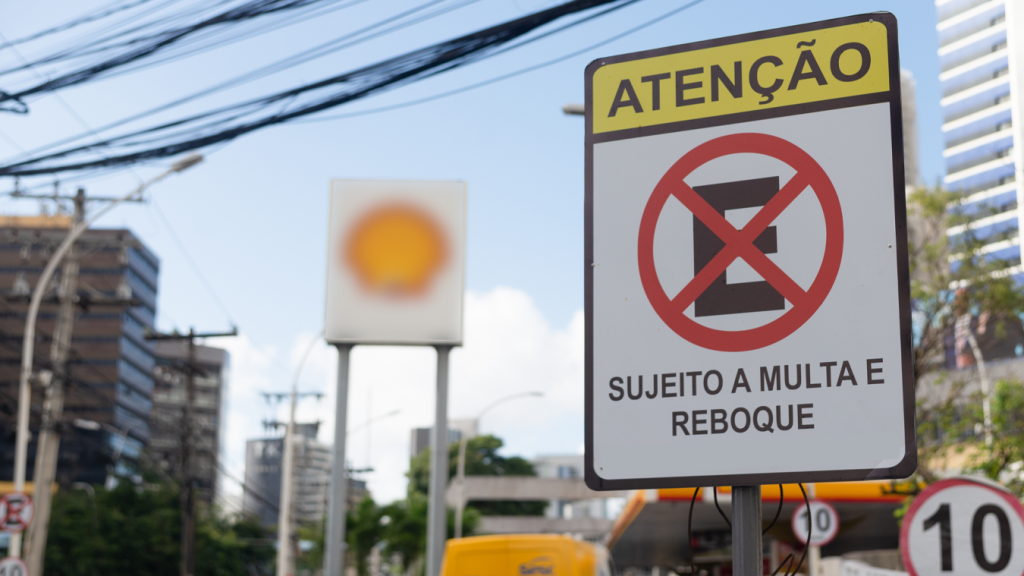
(120, 49)
(223, 124)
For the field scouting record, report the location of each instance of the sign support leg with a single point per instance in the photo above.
(747, 550)
(437, 513)
(334, 557)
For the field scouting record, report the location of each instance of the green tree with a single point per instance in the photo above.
(404, 527)
(1001, 460)
(363, 531)
(405, 524)
(482, 459)
(130, 531)
(942, 293)
(313, 559)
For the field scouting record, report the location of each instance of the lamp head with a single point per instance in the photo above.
(86, 424)
(187, 162)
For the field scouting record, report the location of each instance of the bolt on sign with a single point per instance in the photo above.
(395, 262)
(747, 291)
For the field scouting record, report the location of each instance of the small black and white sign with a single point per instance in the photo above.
(960, 527)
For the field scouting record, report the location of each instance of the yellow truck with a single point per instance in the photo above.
(524, 555)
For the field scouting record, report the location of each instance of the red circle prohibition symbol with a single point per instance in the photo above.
(739, 243)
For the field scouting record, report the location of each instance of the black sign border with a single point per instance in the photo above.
(908, 465)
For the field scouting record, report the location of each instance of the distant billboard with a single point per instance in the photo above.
(395, 262)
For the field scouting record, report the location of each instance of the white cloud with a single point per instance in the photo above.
(509, 348)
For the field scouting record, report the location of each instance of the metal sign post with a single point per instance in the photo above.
(437, 516)
(747, 556)
(334, 547)
(747, 281)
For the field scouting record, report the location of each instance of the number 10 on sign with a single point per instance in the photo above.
(963, 527)
(824, 523)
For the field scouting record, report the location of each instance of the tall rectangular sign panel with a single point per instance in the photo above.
(747, 291)
(395, 262)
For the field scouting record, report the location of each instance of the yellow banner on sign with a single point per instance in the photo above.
(803, 68)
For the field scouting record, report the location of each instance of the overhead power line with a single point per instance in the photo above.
(372, 31)
(227, 123)
(130, 49)
(501, 77)
(109, 10)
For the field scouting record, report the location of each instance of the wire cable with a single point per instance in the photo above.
(809, 527)
(191, 261)
(689, 531)
(109, 10)
(280, 65)
(496, 79)
(388, 74)
(726, 518)
(777, 512)
(154, 44)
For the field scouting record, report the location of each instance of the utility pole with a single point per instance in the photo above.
(186, 477)
(56, 383)
(48, 446)
(285, 516)
(29, 335)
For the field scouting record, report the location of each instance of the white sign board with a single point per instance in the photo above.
(395, 262)
(747, 289)
(823, 523)
(16, 512)
(11, 566)
(963, 527)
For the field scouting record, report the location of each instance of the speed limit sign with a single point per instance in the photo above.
(13, 567)
(824, 523)
(964, 527)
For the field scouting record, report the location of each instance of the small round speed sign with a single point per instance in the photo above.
(963, 527)
(13, 567)
(824, 523)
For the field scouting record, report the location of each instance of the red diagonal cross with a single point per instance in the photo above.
(14, 508)
(740, 243)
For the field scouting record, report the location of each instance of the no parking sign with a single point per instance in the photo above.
(747, 286)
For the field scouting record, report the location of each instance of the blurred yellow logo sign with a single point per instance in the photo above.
(395, 249)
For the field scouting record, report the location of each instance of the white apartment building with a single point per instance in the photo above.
(981, 52)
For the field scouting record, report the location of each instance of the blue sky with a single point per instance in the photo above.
(253, 217)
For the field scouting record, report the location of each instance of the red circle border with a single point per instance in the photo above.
(812, 501)
(795, 317)
(931, 490)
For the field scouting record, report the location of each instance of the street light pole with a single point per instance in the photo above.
(28, 343)
(461, 471)
(284, 515)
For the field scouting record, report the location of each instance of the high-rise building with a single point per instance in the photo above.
(312, 475)
(981, 51)
(109, 381)
(420, 438)
(208, 410)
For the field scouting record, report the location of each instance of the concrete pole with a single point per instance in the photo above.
(747, 553)
(437, 513)
(460, 475)
(186, 491)
(284, 514)
(29, 336)
(334, 546)
(48, 447)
